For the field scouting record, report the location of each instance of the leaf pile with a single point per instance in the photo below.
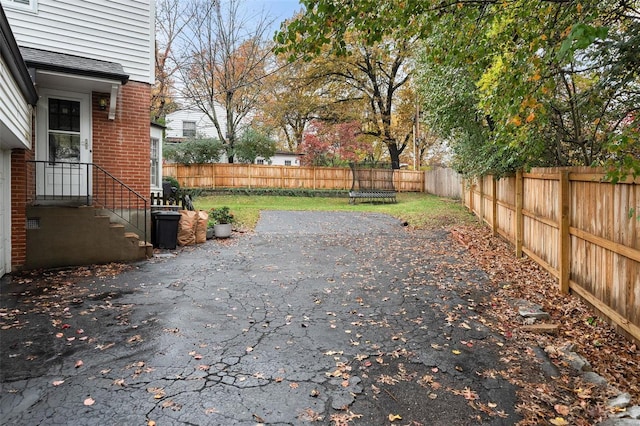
(567, 399)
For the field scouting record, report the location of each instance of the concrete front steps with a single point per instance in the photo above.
(70, 236)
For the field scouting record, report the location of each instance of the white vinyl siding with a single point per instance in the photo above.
(30, 5)
(5, 212)
(204, 126)
(116, 31)
(15, 112)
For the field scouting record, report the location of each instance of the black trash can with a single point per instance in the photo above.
(164, 229)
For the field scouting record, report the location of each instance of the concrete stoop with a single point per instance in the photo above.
(67, 236)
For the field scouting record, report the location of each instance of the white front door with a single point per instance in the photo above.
(64, 144)
(4, 210)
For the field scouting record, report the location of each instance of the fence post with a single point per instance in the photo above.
(564, 238)
(481, 206)
(282, 177)
(519, 217)
(494, 206)
(464, 197)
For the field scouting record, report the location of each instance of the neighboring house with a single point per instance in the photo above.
(87, 141)
(281, 158)
(187, 123)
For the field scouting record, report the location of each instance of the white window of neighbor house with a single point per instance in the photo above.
(259, 161)
(287, 162)
(188, 129)
(155, 162)
(21, 4)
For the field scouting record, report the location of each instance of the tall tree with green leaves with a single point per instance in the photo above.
(371, 78)
(534, 81)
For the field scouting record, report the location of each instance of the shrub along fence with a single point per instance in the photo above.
(582, 230)
(222, 175)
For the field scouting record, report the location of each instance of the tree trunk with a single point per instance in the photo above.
(394, 153)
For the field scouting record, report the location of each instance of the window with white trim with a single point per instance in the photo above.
(21, 4)
(287, 162)
(155, 162)
(188, 129)
(259, 161)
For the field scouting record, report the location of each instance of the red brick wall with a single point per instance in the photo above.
(19, 178)
(121, 146)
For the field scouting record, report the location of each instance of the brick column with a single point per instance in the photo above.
(121, 146)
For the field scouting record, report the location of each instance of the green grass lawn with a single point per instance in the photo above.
(421, 211)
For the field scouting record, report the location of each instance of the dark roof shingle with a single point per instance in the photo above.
(71, 64)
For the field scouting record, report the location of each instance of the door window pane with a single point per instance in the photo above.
(64, 130)
(64, 147)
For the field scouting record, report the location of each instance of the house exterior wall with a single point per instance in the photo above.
(19, 173)
(116, 30)
(17, 98)
(280, 159)
(15, 112)
(121, 146)
(204, 126)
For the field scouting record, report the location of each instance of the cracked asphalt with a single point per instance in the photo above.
(315, 318)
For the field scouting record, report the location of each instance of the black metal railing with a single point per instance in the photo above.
(86, 184)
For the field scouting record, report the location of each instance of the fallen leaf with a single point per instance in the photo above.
(79, 363)
(393, 417)
(558, 421)
(57, 382)
(293, 385)
(561, 409)
(469, 394)
(456, 352)
(89, 401)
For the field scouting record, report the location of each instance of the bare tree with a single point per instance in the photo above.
(223, 58)
(171, 18)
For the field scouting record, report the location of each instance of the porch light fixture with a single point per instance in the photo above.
(103, 103)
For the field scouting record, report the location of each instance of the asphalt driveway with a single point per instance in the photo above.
(315, 318)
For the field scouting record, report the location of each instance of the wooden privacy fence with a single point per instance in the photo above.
(443, 182)
(583, 231)
(222, 175)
